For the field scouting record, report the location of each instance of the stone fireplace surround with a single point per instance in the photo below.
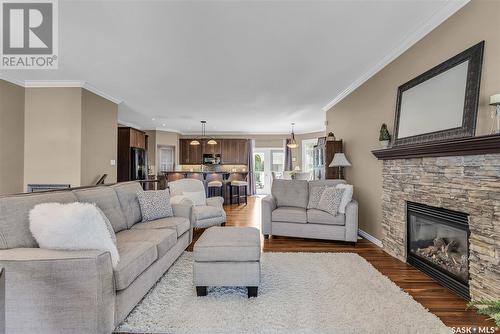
(469, 184)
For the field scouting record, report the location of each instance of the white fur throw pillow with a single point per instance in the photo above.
(72, 226)
(346, 196)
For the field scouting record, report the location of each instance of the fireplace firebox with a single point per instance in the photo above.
(438, 244)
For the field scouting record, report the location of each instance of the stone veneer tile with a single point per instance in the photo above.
(469, 184)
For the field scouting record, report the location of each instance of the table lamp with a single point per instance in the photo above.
(340, 160)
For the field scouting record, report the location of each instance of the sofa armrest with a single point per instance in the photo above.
(184, 208)
(351, 221)
(268, 205)
(217, 202)
(58, 291)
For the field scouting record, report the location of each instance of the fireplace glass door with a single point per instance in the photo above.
(438, 240)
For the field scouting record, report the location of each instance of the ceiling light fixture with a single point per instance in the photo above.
(210, 141)
(293, 142)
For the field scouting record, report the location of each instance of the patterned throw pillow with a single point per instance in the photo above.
(330, 200)
(155, 204)
(315, 196)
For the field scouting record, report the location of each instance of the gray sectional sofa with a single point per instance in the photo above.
(56, 291)
(285, 213)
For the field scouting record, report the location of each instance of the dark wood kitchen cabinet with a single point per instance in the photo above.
(189, 154)
(234, 151)
(212, 149)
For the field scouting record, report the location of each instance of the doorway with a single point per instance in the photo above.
(266, 162)
(166, 158)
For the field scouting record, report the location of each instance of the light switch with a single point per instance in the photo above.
(113, 162)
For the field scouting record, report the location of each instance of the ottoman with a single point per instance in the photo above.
(227, 256)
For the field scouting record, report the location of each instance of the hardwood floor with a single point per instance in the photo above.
(450, 308)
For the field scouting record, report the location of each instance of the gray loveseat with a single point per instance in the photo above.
(56, 291)
(285, 213)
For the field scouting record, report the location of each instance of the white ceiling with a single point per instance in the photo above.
(244, 66)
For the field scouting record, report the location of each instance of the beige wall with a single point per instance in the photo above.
(158, 138)
(99, 138)
(11, 138)
(52, 143)
(55, 135)
(358, 117)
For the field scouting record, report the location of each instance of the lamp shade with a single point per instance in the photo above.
(297, 168)
(339, 160)
(495, 100)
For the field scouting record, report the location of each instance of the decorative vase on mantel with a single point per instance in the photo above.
(385, 136)
(384, 143)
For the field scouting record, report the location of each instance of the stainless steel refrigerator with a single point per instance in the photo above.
(139, 164)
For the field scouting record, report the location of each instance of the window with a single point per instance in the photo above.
(308, 154)
(166, 158)
(278, 161)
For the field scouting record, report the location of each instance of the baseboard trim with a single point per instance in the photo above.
(370, 238)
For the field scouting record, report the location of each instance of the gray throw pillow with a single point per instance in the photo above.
(315, 196)
(155, 204)
(330, 200)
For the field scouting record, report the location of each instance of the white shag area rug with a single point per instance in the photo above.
(299, 293)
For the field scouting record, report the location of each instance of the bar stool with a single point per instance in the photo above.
(214, 188)
(214, 184)
(236, 186)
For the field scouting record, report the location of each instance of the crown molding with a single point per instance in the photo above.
(102, 94)
(53, 84)
(11, 80)
(425, 28)
(132, 125)
(61, 84)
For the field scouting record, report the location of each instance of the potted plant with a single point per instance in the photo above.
(384, 137)
(487, 307)
(330, 137)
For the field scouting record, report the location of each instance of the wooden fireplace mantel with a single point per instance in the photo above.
(453, 147)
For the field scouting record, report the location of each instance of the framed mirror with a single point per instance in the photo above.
(442, 102)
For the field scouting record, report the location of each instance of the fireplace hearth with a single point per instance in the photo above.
(438, 244)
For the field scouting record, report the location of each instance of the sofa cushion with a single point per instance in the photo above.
(205, 212)
(330, 200)
(73, 226)
(289, 214)
(325, 183)
(14, 216)
(163, 239)
(107, 200)
(127, 196)
(291, 193)
(346, 196)
(315, 196)
(135, 257)
(315, 216)
(228, 244)
(180, 224)
(155, 204)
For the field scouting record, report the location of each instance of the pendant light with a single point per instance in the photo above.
(293, 142)
(210, 141)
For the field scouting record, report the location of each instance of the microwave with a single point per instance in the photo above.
(211, 159)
